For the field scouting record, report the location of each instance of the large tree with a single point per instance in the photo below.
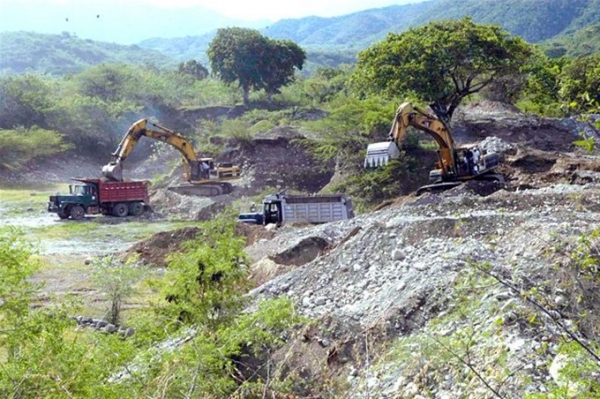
(254, 61)
(279, 66)
(441, 62)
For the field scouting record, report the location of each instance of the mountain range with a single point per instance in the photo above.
(561, 25)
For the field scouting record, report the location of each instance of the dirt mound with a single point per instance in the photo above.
(173, 205)
(306, 250)
(254, 233)
(154, 250)
(534, 168)
(476, 121)
(278, 160)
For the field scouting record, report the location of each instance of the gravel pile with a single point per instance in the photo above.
(395, 277)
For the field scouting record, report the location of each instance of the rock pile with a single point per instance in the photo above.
(104, 326)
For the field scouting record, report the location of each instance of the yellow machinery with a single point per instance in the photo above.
(455, 164)
(203, 176)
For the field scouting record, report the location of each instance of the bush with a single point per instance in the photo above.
(20, 145)
(371, 187)
(116, 281)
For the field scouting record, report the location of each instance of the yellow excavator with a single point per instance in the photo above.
(455, 165)
(203, 176)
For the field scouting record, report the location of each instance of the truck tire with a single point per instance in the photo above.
(136, 208)
(77, 212)
(63, 215)
(121, 210)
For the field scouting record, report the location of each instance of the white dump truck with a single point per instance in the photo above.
(283, 208)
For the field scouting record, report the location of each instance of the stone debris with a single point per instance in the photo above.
(104, 326)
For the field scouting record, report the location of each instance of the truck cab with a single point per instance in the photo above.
(251, 218)
(74, 204)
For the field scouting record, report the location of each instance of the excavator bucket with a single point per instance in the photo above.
(379, 154)
(113, 171)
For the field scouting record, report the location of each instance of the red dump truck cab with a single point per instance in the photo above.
(92, 196)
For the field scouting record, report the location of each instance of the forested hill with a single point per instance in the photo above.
(357, 30)
(65, 53)
(565, 26)
(534, 20)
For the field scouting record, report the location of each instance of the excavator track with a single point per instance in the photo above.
(438, 187)
(203, 189)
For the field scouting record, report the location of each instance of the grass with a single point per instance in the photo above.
(65, 230)
(95, 229)
(23, 192)
(20, 199)
(63, 274)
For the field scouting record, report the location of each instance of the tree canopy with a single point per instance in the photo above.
(254, 61)
(441, 62)
(580, 85)
(193, 68)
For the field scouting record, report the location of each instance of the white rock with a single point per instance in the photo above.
(419, 266)
(560, 300)
(397, 254)
(320, 301)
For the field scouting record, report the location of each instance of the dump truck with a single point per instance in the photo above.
(282, 208)
(94, 196)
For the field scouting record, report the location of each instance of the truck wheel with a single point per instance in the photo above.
(63, 215)
(136, 208)
(77, 212)
(120, 210)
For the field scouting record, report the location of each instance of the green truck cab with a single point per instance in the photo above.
(93, 196)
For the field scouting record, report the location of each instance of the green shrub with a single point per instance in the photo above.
(117, 281)
(20, 145)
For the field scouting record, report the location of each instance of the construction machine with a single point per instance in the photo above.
(455, 165)
(204, 177)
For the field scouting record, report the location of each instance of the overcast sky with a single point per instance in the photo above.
(242, 9)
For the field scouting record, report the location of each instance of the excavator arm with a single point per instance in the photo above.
(407, 115)
(114, 170)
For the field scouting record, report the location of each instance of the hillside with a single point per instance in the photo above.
(535, 21)
(566, 26)
(65, 54)
(354, 31)
(396, 296)
(582, 42)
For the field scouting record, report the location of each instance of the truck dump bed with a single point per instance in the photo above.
(120, 191)
(316, 209)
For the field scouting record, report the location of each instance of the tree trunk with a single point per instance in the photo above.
(246, 95)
